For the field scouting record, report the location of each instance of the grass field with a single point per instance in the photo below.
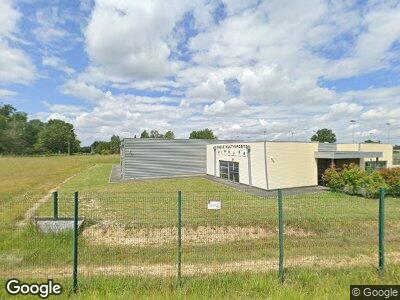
(129, 239)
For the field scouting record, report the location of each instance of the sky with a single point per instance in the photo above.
(274, 69)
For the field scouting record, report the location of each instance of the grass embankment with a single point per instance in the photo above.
(24, 180)
(131, 230)
(134, 223)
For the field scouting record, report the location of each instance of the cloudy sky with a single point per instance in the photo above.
(242, 68)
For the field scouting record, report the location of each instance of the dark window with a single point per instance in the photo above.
(229, 170)
(375, 165)
(396, 158)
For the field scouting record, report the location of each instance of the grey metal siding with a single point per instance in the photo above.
(162, 158)
(326, 147)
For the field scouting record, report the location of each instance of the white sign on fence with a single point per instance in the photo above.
(214, 205)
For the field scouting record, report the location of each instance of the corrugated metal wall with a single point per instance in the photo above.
(162, 158)
(327, 147)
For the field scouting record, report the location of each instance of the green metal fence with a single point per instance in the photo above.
(184, 234)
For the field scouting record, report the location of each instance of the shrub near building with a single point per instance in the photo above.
(392, 179)
(354, 180)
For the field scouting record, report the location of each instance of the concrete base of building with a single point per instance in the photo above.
(116, 176)
(261, 192)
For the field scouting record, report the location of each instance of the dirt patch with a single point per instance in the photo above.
(191, 269)
(108, 234)
(10, 258)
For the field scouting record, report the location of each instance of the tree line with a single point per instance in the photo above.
(207, 134)
(18, 136)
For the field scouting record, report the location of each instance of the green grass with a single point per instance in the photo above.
(328, 226)
(299, 284)
(24, 180)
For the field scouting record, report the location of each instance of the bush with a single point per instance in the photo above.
(372, 183)
(392, 180)
(333, 179)
(354, 178)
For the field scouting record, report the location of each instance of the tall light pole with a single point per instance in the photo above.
(265, 135)
(388, 125)
(353, 122)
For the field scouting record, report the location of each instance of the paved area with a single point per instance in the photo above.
(115, 176)
(261, 192)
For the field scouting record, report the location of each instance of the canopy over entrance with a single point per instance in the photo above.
(347, 154)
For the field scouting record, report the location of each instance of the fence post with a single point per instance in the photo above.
(382, 231)
(281, 233)
(179, 258)
(75, 246)
(55, 205)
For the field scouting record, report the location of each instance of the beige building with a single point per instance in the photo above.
(273, 165)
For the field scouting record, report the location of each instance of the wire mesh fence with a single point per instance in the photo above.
(198, 233)
(392, 230)
(324, 231)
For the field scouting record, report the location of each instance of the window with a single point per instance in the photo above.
(229, 170)
(375, 165)
(396, 158)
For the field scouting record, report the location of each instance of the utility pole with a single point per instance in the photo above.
(69, 148)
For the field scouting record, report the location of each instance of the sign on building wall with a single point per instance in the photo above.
(237, 150)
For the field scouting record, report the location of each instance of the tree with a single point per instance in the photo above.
(169, 135)
(154, 134)
(115, 144)
(206, 134)
(324, 135)
(56, 136)
(144, 135)
(101, 147)
(13, 126)
(32, 133)
(369, 141)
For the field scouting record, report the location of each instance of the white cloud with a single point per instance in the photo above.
(82, 90)
(372, 49)
(381, 114)
(224, 108)
(57, 63)
(9, 16)
(7, 93)
(277, 50)
(213, 88)
(48, 30)
(274, 84)
(129, 39)
(15, 65)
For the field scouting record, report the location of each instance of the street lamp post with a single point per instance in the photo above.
(353, 122)
(388, 125)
